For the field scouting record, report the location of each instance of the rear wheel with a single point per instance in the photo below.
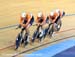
(59, 26)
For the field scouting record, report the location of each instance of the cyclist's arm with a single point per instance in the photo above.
(55, 17)
(54, 20)
(21, 21)
(37, 21)
(44, 21)
(28, 21)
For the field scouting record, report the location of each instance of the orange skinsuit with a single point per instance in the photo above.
(40, 20)
(25, 21)
(54, 17)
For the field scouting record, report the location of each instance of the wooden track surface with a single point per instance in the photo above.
(10, 13)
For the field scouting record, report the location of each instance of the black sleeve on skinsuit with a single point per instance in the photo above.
(47, 19)
(32, 20)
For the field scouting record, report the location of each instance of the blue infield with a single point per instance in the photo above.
(67, 53)
(53, 50)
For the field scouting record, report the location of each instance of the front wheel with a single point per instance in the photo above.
(18, 40)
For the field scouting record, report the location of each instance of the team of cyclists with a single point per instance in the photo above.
(27, 20)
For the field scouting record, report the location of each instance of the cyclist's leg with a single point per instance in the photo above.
(45, 32)
(55, 27)
(34, 35)
(55, 24)
(22, 32)
(18, 39)
(26, 36)
(58, 22)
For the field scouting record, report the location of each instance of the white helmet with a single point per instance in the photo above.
(57, 10)
(23, 14)
(51, 13)
(31, 14)
(40, 14)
